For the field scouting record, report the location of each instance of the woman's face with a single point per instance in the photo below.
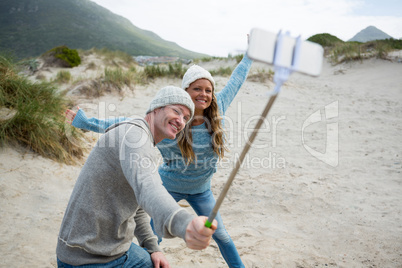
(200, 92)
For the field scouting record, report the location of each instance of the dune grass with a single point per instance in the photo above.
(222, 71)
(38, 123)
(237, 57)
(175, 70)
(356, 51)
(111, 56)
(339, 51)
(63, 77)
(261, 75)
(118, 77)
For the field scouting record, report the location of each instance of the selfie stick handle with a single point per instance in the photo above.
(281, 75)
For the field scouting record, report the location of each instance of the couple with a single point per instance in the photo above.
(200, 142)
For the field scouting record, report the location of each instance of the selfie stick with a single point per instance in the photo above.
(280, 77)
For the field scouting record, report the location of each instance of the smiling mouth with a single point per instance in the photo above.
(175, 127)
(203, 101)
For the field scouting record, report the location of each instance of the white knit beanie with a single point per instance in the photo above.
(196, 72)
(171, 95)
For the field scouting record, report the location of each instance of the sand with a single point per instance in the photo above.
(321, 186)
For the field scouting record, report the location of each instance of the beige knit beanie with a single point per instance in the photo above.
(196, 72)
(171, 95)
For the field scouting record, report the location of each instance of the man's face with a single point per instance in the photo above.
(170, 120)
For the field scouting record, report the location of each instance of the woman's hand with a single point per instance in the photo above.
(70, 115)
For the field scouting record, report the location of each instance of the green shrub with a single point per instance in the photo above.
(70, 56)
(325, 40)
(38, 122)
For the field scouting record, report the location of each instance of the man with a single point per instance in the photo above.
(116, 189)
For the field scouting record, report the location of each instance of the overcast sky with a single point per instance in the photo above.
(220, 27)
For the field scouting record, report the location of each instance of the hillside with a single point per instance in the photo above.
(370, 33)
(31, 27)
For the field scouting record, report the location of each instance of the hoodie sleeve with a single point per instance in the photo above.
(143, 232)
(236, 80)
(137, 155)
(95, 124)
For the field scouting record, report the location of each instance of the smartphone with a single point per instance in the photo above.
(263, 46)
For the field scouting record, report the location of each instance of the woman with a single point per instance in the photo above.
(190, 160)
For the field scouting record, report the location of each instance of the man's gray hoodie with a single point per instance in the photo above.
(115, 190)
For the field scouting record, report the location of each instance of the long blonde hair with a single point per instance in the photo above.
(213, 123)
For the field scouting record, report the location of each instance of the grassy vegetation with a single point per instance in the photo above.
(237, 57)
(222, 71)
(175, 70)
(208, 59)
(111, 57)
(118, 78)
(112, 80)
(339, 51)
(63, 77)
(38, 121)
(261, 75)
(352, 51)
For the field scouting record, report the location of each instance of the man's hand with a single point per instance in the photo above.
(197, 235)
(159, 260)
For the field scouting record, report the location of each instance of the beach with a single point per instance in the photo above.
(320, 187)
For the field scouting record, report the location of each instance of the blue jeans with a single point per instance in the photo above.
(135, 257)
(203, 204)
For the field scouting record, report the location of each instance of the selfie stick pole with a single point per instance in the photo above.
(280, 77)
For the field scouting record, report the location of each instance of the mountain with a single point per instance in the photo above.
(31, 27)
(369, 34)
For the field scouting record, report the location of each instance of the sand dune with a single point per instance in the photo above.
(321, 186)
